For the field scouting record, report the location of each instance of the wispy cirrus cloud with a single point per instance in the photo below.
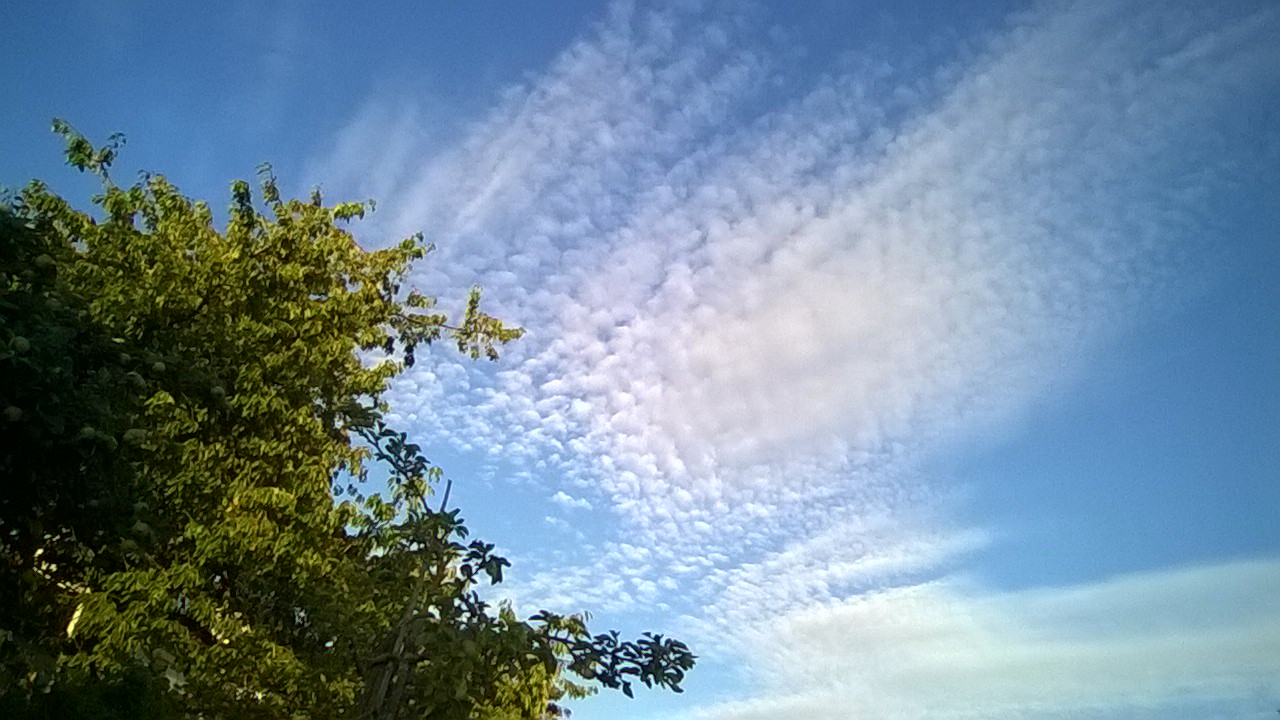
(749, 324)
(1150, 643)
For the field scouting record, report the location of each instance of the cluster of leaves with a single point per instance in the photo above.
(181, 517)
(69, 394)
(422, 666)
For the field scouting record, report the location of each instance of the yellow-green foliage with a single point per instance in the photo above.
(195, 407)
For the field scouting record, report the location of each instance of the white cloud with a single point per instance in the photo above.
(843, 560)
(745, 335)
(1148, 642)
(570, 502)
(770, 315)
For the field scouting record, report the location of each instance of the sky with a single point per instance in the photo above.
(905, 359)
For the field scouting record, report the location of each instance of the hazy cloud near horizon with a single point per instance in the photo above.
(748, 327)
(1192, 635)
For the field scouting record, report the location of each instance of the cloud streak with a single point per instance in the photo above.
(1148, 642)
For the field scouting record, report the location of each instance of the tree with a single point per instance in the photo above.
(183, 520)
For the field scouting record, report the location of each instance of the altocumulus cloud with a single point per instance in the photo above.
(750, 323)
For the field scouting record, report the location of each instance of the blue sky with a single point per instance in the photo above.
(909, 362)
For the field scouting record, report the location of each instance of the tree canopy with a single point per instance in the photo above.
(190, 414)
